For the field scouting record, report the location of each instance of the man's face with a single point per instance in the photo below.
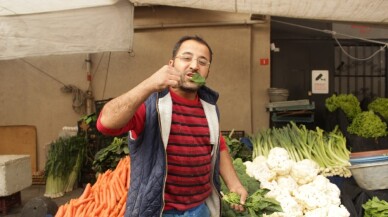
(192, 57)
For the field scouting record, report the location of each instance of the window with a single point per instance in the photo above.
(364, 79)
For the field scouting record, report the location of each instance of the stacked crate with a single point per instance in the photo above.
(15, 175)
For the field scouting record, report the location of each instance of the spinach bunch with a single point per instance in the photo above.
(109, 157)
(256, 204)
(251, 184)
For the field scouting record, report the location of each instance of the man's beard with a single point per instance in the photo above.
(190, 88)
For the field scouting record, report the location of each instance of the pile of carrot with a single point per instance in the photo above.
(106, 197)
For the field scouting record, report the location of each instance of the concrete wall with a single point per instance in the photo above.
(31, 87)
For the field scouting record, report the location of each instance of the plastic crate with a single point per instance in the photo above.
(307, 117)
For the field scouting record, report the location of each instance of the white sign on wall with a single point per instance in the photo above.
(320, 81)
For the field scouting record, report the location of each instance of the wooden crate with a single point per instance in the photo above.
(38, 180)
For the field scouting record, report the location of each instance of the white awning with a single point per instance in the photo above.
(373, 11)
(64, 27)
(46, 27)
(20, 7)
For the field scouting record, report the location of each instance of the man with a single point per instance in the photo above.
(177, 151)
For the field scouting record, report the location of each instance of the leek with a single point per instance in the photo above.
(327, 149)
(64, 161)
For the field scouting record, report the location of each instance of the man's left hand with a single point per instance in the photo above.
(243, 196)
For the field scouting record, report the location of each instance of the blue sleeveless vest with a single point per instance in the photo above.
(148, 155)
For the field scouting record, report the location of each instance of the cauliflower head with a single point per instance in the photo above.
(319, 212)
(290, 206)
(310, 197)
(287, 183)
(337, 211)
(279, 161)
(259, 170)
(331, 190)
(304, 171)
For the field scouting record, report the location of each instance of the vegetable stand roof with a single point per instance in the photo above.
(45, 27)
(39, 27)
(373, 11)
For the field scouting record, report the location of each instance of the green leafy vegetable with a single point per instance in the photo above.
(237, 149)
(197, 78)
(256, 204)
(347, 102)
(65, 159)
(368, 125)
(249, 183)
(380, 105)
(89, 118)
(108, 157)
(375, 208)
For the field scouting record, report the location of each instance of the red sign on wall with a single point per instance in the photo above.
(264, 61)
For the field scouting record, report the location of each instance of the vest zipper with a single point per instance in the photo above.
(165, 155)
(212, 177)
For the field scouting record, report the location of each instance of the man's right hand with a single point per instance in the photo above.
(165, 77)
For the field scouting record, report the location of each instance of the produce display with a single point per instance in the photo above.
(106, 197)
(327, 149)
(375, 208)
(368, 125)
(285, 175)
(64, 161)
(297, 185)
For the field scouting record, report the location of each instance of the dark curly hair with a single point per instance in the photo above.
(195, 38)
